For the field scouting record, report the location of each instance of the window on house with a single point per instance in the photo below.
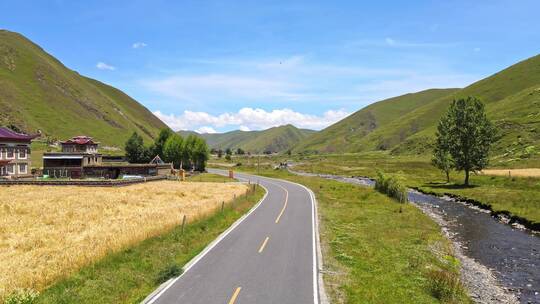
(10, 153)
(22, 153)
(10, 169)
(23, 169)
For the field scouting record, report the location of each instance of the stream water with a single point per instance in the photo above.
(512, 254)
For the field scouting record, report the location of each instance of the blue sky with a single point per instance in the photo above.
(222, 65)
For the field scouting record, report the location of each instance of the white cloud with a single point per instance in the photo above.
(103, 66)
(390, 41)
(251, 119)
(138, 45)
(206, 130)
(244, 128)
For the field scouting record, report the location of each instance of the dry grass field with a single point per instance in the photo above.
(47, 233)
(513, 172)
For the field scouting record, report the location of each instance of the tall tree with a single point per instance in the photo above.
(159, 143)
(189, 148)
(136, 152)
(441, 154)
(470, 135)
(200, 154)
(173, 150)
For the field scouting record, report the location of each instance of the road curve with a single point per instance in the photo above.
(267, 257)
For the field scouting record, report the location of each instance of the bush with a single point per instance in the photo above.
(169, 272)
(392, 187)
(446, 286)
(22, 296)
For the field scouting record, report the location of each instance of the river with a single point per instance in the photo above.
(513, 255)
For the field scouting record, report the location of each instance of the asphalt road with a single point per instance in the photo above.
(268, 258)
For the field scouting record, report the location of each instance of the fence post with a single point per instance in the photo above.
(183, 223)
(222, 206)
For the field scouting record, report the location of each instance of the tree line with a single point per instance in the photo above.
(463, 139)
(190, 153)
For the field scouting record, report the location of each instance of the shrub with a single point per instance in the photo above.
(170, 271)
(392, 187)
(22, 296)
(446, 286)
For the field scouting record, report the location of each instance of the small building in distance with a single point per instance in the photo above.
(15, 154)
(80, 158)
(78, 152)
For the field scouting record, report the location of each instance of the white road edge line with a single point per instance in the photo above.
(210, 246)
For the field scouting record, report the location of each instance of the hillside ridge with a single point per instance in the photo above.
(38, 92)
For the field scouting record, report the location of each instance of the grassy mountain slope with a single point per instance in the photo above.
(277, 139)
(512, 99)
(344, 135)
(38, 92)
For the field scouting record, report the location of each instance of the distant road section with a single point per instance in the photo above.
(268, 257)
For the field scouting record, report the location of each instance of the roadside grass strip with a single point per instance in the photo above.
(377, 250)
(130, 275)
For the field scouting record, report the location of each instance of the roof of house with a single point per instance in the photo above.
(80, 140)
(157, 160)
(8, 134)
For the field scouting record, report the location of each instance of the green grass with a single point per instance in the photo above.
(132, 274)
(377, 250)
(39, 92)
(277, 139)
(520, 196)
(211, 178)
(346, 134)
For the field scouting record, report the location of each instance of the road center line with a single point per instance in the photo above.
(284, 205)
(235, 295)
(264, 244)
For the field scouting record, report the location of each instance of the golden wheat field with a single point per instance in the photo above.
(47, 233)
(513, 172)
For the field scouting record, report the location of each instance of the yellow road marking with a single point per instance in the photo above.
(235, 295)
(264, 244)
(284, 205)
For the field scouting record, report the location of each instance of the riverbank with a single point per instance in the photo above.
(517, 198)
(491, 252)
(481, 283)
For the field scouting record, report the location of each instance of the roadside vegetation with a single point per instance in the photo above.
(373, 253)
(187, 153)
(518, 195)
(48, 233)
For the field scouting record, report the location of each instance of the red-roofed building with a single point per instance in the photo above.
(80, 159)
(77, 152)
(81, 144)
(14, 153)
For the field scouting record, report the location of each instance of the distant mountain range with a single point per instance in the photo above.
(38, 92)
(407, 124)
(277, 139)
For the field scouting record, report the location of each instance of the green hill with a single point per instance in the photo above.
(512, 99)
(277, 139)
(37, 92)
(345, 135)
